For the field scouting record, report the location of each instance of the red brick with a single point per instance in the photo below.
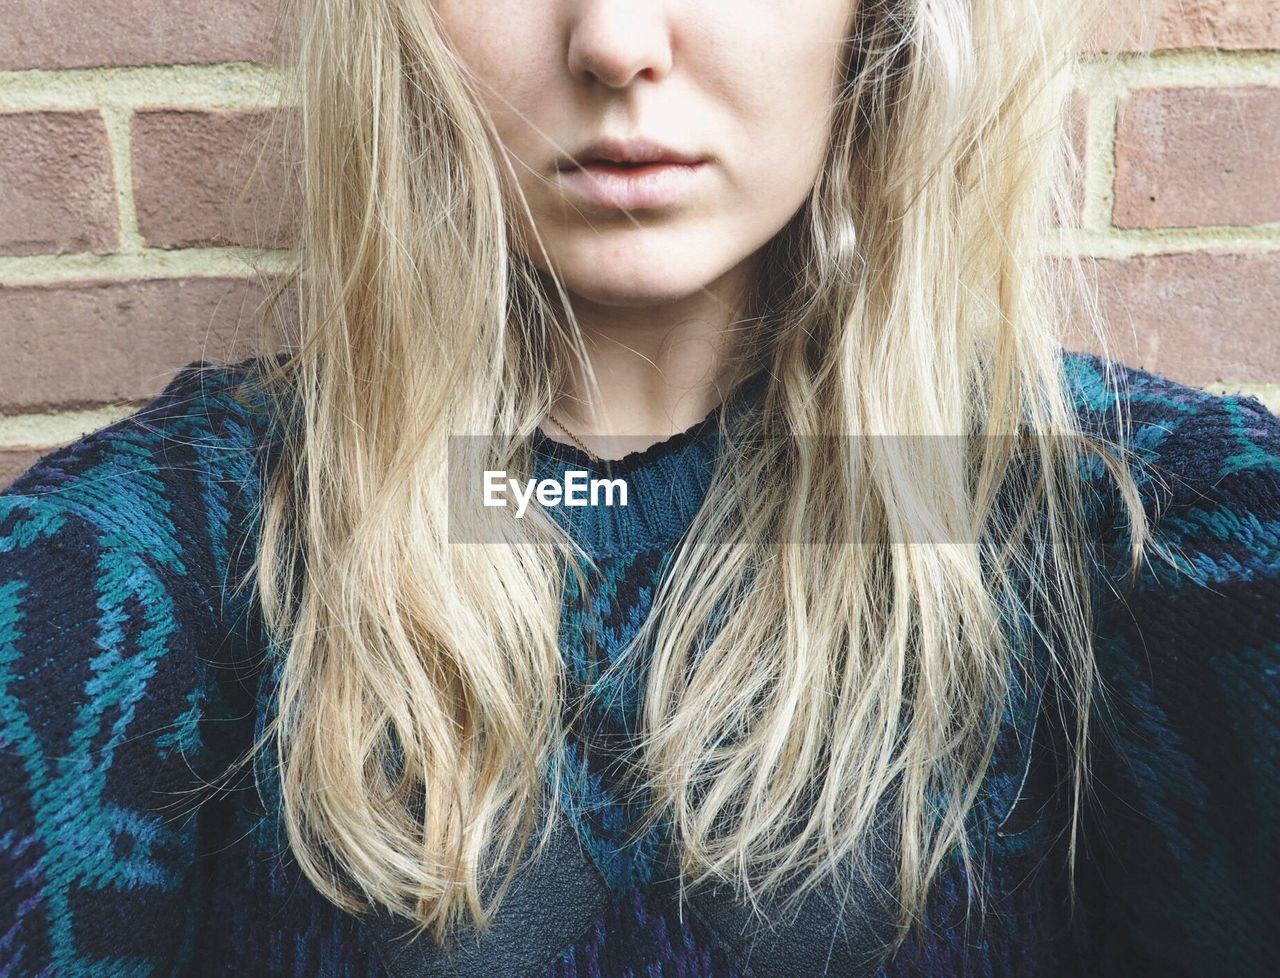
(205, 177)
(82, 344)
(57, 188)
(97, 33)
(1181, 24)
(1196, 156)
(1198, 317)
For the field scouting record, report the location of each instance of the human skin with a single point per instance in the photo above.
(748, 84)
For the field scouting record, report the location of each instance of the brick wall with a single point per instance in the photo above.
(139, 202)
(1179, 136)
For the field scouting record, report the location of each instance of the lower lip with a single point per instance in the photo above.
(632, 188)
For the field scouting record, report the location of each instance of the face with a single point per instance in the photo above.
(741, 89)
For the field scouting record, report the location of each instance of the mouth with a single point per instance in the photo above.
(616, 167)
(628, 174)
(614, 185)
(625, 154)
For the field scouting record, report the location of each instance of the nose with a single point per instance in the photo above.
(616, 41)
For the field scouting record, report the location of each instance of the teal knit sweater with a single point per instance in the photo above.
(130, 674)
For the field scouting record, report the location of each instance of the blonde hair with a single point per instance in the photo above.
(421, 682)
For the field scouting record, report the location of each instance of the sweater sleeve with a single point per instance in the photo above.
(98, 714)
(123, 691)
(1182, 847)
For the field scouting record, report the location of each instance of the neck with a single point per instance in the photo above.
(661, 368)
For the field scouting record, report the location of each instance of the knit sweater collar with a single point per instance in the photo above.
(666, 482)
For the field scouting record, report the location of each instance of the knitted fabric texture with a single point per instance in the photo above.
(132, 673)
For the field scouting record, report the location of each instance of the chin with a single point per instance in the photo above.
(646, 287)
(615, 275)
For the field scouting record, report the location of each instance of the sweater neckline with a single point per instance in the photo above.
(666, 482)
(550, 447)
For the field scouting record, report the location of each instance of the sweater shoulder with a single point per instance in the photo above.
(1186, 447)
(1205, 435)
(173, 481)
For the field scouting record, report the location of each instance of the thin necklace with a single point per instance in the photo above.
(574, 438)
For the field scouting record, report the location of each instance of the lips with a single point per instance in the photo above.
(627, 153)
(630, 174)
(624, 166)
(609, 166)
(644, 186)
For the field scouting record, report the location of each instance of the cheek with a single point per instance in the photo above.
(503, 47)
(807, 73)
(788, 131)
(784, 76)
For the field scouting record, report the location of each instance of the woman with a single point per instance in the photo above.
(922, 646)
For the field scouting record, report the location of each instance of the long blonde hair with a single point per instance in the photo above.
(421, 683)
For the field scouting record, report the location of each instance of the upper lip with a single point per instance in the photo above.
(626, 151)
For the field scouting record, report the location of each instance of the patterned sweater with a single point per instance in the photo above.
(131, 673)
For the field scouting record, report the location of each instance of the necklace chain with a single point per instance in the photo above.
(572, 437)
